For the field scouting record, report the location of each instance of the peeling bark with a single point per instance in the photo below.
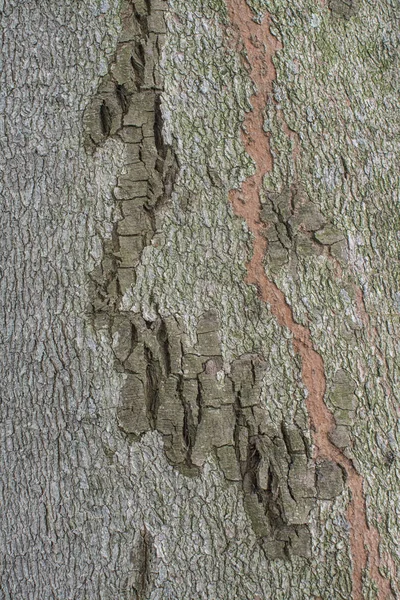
(257, 40)
(200, 379)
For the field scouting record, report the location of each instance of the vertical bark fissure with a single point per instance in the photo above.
(260, 46)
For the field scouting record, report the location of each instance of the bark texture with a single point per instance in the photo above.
(200, 300)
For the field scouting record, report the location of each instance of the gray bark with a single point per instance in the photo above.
(199, 300)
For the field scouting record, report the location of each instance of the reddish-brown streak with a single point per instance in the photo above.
(260, 46)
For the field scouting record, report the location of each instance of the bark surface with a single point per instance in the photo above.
(200, 300)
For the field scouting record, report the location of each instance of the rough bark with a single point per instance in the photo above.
(199, 300)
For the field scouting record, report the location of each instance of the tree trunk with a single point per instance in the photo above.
(199, 300)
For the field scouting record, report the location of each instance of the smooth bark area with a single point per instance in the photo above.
(200, 300)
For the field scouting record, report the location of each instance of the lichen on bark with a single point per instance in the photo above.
(95, 504)
(184, 389)
(202, 184)
(344, 165)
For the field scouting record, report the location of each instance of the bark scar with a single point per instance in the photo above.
(260, 46)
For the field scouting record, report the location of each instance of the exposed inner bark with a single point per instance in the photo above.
(87, 510)
(180, 390)
(183, 392)
(260, 45)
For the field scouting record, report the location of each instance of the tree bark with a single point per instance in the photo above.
(200, 300)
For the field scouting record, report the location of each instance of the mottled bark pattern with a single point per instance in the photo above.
(180, 389)
(127, 105)
(199, 300)
(296, 227)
